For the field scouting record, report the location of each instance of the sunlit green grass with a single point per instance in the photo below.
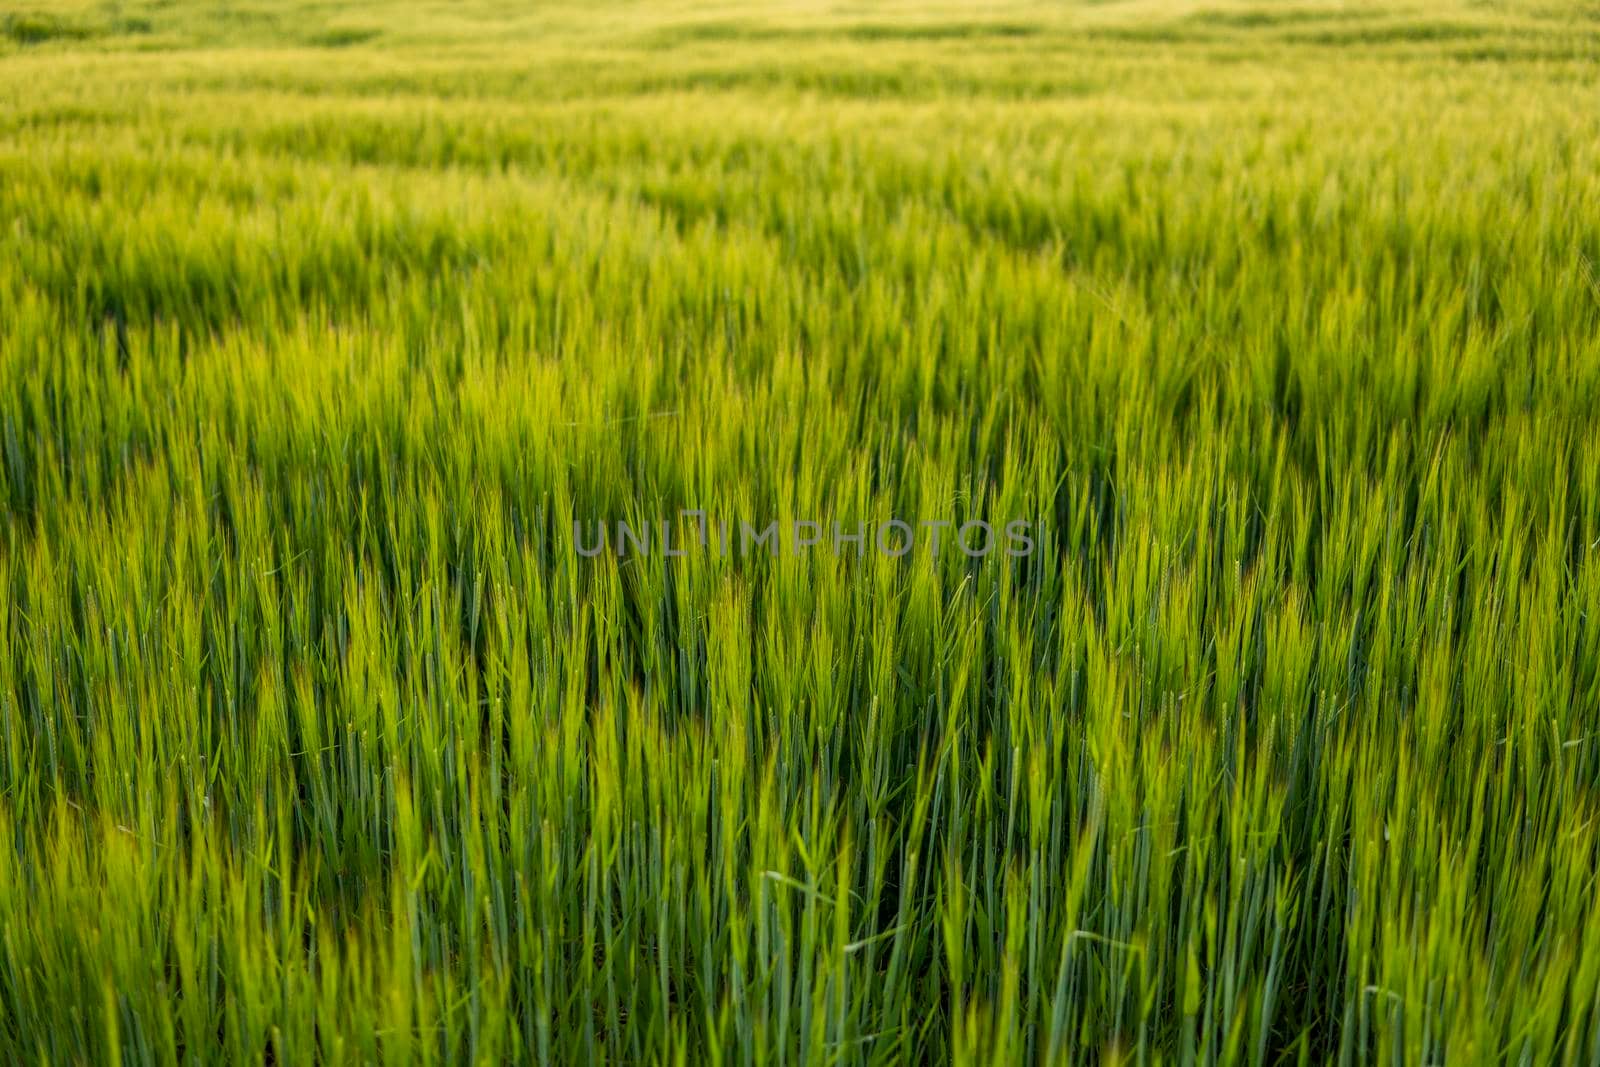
(321, 324)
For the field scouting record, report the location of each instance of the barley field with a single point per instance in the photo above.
(329, 331)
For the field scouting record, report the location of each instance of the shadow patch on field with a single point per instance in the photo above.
(344, 36)
(37, 27)
(937, 31)
(1390, 33)
(81, 118)
(368, 141)
(1315, 27)
(202, 288)
(910, 82)
(1499, 52)
(721, 32)
(1158, 33)
(681, 209)
(1272, 19)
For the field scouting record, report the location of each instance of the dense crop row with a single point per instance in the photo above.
(320, 327)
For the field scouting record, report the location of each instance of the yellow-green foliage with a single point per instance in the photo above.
(321, 324)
